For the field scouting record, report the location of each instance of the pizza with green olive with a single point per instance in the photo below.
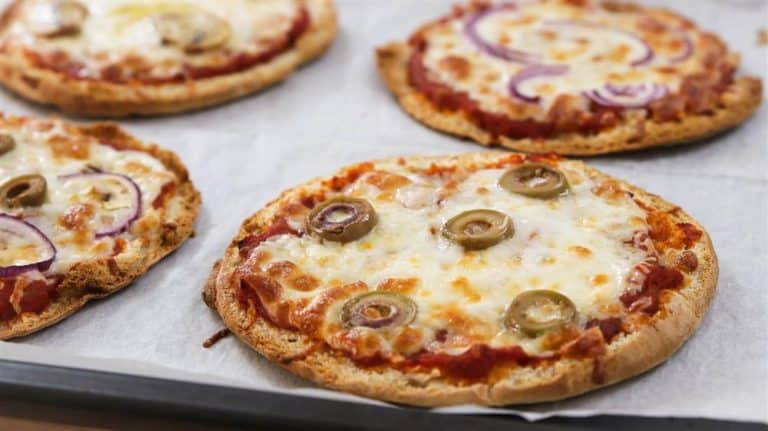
(578, 77)
(141, 57)
(488, 278)
(84, 210)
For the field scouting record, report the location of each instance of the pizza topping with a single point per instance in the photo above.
(56, 17)
(530, 73)
(342, 219)
(23, 191)
(478, 229)
(627, 96)
(536, 180)
(117, 199)
(7, 144)
(32, 249)
(192, 30)
(537, 311)
(378, 310)
(278, 227)
(686, 52)
(687, 261)
(475, 36)
(655, 279)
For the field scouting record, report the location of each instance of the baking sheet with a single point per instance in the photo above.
(335, 112)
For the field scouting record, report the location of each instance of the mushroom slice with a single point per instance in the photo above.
(192, 30)
(54, 18)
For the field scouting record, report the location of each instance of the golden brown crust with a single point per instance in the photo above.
(627, 355)
(104, 99)
(739, 102)
(101, 279)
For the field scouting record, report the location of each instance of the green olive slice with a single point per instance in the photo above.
(536, 311)
(26, 190)
(342, 219)
(479, 229)
(7, 144)
(57, 18)
(191, 30)
(378, 310)
(535, 180)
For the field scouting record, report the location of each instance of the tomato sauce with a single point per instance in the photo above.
(658, 278)
(36, 296)
(278, 227)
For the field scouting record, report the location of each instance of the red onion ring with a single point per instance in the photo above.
(11, 226)
(494, 50)
(644, 59)
(531, 72)
(627, 96)
(687, 49)
(123, 224)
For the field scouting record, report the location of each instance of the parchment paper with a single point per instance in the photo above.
(336, 111)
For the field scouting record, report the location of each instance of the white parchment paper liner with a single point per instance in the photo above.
(335, 112)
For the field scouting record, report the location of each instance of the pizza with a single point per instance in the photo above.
(84, 210)
(489, 278)
(577, 77)
(142, 57)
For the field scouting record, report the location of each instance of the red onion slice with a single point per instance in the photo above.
(531, 72)
(687, 48)
(627, 96)
(646, 56)
(472, 33)
(123, 216)
(14, 233)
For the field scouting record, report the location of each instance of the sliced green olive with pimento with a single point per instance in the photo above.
(24, 191)
(536, 180)
(538, 311)
(479, 229)
(191, 30)
(7, 144)
(342, 219)
(378, 310)
(55, 18)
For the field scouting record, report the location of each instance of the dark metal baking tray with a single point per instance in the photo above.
(129, 394)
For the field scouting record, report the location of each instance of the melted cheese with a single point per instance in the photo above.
(35, 153)
(598, 46)
(564, 244)
(117, 30)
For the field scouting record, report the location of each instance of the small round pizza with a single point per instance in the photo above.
(84, 210)
(141, 57)
(576, 77)
(488, 278)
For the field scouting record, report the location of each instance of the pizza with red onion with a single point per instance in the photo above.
(578, 77)
(84, 210)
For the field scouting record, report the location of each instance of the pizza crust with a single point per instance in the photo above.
(739, 102)
(627, 355)
(184, 206)
(104, 99)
